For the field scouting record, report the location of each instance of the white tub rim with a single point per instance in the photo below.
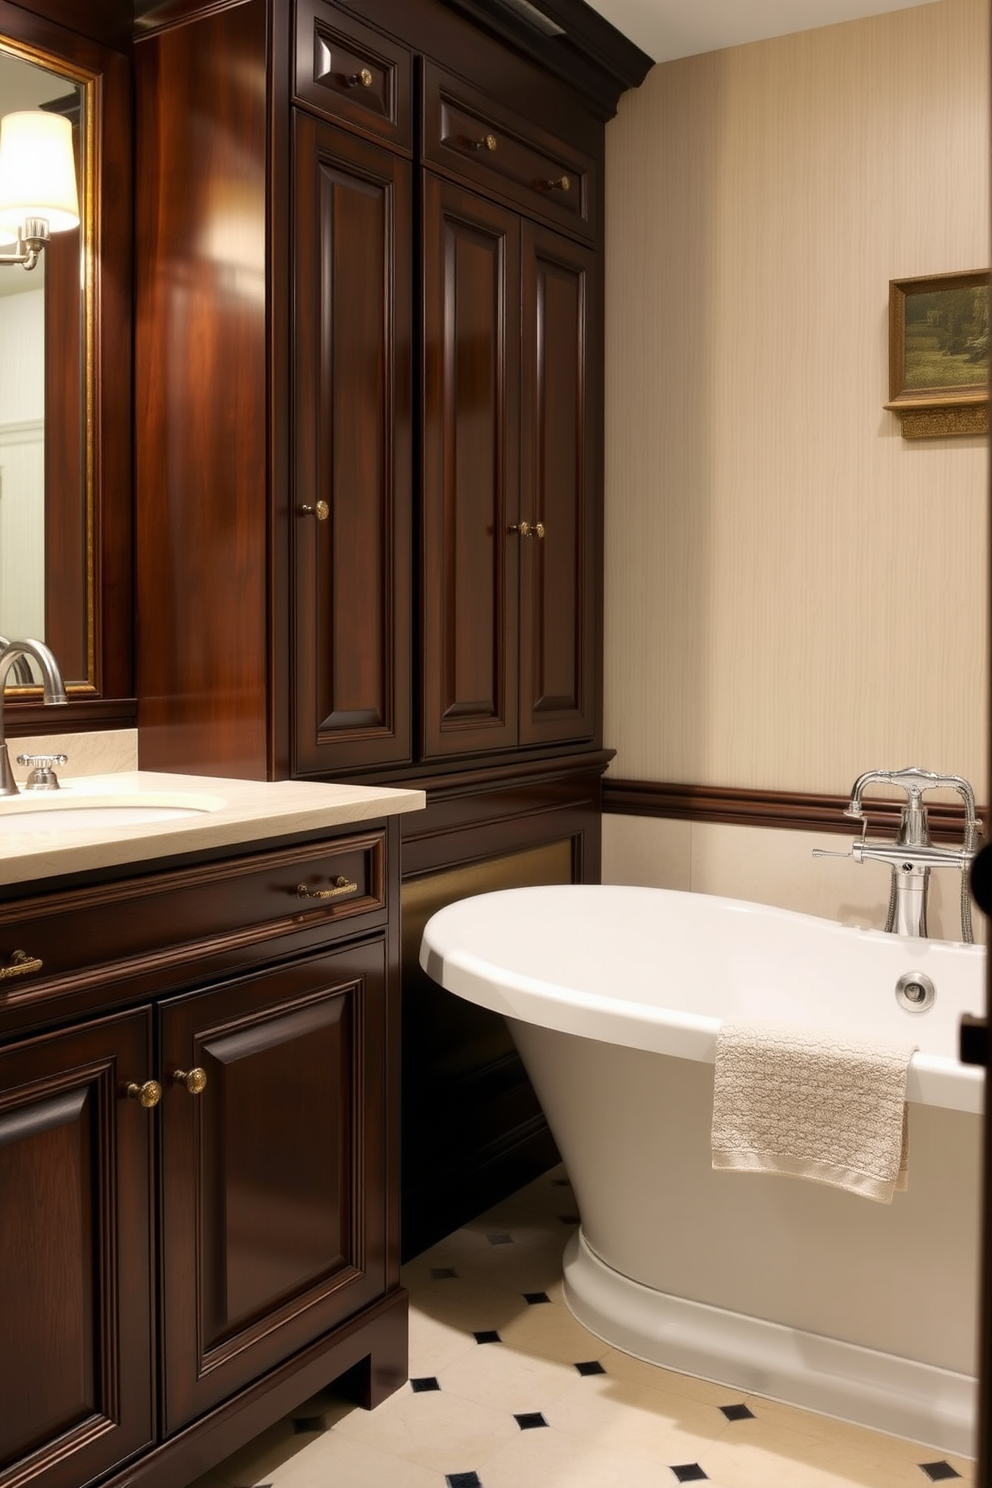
(933, 1079)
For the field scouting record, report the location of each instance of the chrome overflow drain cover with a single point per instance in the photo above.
(915, 992)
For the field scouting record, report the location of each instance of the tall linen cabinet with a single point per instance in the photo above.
(369, 244)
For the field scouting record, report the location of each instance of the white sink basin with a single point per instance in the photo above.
(55, 813)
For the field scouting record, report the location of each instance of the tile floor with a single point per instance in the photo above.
(507, 1390)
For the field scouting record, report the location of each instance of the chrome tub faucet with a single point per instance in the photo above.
(912, 854)
(11, 653)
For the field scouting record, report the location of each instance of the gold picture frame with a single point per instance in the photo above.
(939, 354)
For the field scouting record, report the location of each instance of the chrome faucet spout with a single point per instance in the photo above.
(912, 854)
(53, 684)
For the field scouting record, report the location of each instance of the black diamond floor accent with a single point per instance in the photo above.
(425, 1382)
(569, 1218)
(443, 1273)
(590, 1366)
(529, 1420)
(488, 1335)
(500, 1239)
(689, 1472)
(534, 1297)
(937, 1471)
(463, 1480)
(737, 1412)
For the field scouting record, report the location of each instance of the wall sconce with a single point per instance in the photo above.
(37, 181)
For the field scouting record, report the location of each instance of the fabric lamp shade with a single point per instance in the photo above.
(37, 171)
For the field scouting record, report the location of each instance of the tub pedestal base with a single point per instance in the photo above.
(873, 1389)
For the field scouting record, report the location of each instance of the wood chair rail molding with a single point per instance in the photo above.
(796, 810)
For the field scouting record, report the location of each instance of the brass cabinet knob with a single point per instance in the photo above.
(341, 885)
(362, 79)
(487, 142)
(149, 1094)
(21, 964)
(193, 1080)
(561, 183)
(321, 511)
(529, 529)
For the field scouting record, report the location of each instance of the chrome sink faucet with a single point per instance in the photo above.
(11, 653)
(913, 853)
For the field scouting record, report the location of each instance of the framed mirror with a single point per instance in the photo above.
(65, 385)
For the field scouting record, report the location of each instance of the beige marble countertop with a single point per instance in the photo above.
(97, 820)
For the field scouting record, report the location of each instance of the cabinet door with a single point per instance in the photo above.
(470, 471)
(352, 476)
(559, 488)
(274, 1176)
(75, 1254)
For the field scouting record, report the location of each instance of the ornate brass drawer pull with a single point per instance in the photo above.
(341, 885)
(529, 529)
(561, 183)
(362, 79)
(194, 1080)
(487, 142)
(21, 964)
(149, 1094)
(321, 511)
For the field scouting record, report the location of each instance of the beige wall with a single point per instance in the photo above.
(794, 593)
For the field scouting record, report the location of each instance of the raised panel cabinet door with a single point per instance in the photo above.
(351, 513)
(275, 1161)
(75, 1253)
(469, 540)
(560, 483)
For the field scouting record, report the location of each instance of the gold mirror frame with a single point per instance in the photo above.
(99, 581)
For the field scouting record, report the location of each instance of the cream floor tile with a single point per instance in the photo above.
(339, 1460)
(623, 1366)
(625, 1417)
(551, 1459)
(548, 1331)
(482, 1304)
(834, 1436)
(741, 1459)
(443, 1323)
(501, 1377)
(527, 1268)
(435, 1429)
(264, 1455)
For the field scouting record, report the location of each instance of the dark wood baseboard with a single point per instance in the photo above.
(796, 810)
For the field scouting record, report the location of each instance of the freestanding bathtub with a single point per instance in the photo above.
(777, 1286)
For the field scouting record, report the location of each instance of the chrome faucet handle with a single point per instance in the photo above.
(42, 777)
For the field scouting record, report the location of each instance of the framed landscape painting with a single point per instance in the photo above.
(939, 354)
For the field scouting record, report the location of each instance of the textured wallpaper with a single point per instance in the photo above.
(794, 592)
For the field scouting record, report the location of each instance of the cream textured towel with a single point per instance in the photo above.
(811, 1103)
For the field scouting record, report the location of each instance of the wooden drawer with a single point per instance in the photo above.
(466, 134)
(354, 74)
(160, 925)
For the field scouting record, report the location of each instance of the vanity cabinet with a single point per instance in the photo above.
(75, 1253)
(198, 1156)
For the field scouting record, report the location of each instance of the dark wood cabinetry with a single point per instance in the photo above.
(369, 438)
(352, 512)
(198, 1157)
(511, 480)
(75, 1253)
(368, 457)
